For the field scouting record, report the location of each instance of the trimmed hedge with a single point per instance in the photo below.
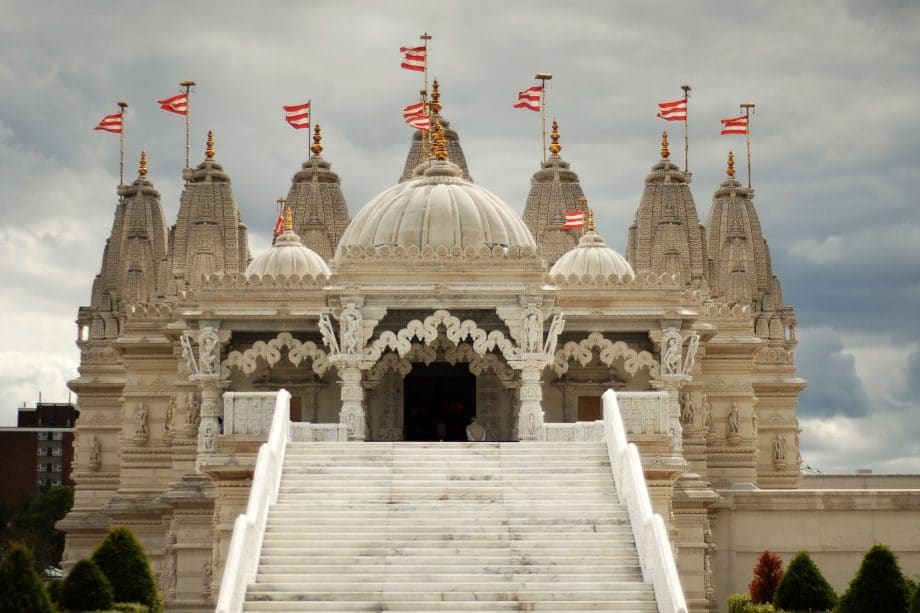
(86, 588)
(879, 585)
(21, 589)
(121, 558)
(741, 603)
(803, 587)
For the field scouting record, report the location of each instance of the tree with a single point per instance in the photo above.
(21, 588)
(803, 587)
(767, 575)
(86, 588)
(32, 522)
(121, 559)
(915, 601)
(878, 585)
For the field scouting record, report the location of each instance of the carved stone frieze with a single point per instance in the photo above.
(583, 351)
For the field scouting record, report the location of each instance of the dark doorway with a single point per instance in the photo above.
(440, 400)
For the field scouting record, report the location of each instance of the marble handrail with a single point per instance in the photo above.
(249, 528)
(655, 555)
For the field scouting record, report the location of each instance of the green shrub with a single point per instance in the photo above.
(21, 589)
(130, 607)
(915, 601)
(54, 590)
(878, 585)
(737, 602)
(767, 575)
(121, 558)
(803, 587)
(86, 588)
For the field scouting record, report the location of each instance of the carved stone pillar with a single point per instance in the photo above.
(352, 414)
(209, 426)
(530, 415)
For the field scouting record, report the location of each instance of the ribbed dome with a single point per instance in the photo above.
(288, 257)
(592, 257)
(437, 209)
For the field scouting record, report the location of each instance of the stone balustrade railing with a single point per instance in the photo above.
(655, 555)
(249, 529)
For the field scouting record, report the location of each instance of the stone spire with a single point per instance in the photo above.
(132, 257)
(418, 151)
(553, 189)
(742, 272)
(209, 235)
(319, 208)
(666, 235)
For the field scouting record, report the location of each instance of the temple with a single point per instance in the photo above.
(435, 304)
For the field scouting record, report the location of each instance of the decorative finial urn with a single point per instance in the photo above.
(730, 169)
(288, 220)
(435, 98)
(209, 150)
(440, 142)
(142, 169)
(665, 152)
(317, 146)
(590, 220)
(555, 147)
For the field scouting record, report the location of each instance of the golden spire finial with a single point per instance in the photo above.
(730, 170)
(590, 220)
(317, 146)
(555, 147)
(209, 151)
(288, 220)
(142, 169)
(439, 150)
(435, 98)
(665, 153)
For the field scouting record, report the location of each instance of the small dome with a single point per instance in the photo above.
(592, 257)
(288, 257)
(437, 208)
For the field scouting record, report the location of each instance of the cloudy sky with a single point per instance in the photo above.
(834, 134)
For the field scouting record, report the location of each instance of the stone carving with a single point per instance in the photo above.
(779, 452)
(531, 329)
(192, 414)
(210, 437)
(328, 333)
(755, 422)
(552, 337)
(170, 413)
(95, 454)
(188, 354)
(209, 351)
(693, 346)
(583, 351)
(350, 330)
(207, 576)
(733, 429)
(798, 451)
(671, 343)
(141, 431)
(708, 424)
(686, 409)
(248, 360)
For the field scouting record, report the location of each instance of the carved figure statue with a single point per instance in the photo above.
(209, 437)
(140, 421)
(328, 333)
(734, 419)
(191, 404)
(95, 453)
(170, 412)
(798, 451)
(188, 354)
(531, 329)
(209, 348)
(207, 575)
(686, 409)
(670, 357)
(707, 417)
(692, 346)
(350, 329)
(779, 451)
(755, 421)
(552, 337)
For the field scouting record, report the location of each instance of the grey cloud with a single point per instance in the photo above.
(834, 388)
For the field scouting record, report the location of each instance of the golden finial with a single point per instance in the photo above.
(665, 154)
(590, 220)
(317, 146)
(209, 151)
(440, 142)
(435, 98)
(730, 171)
(288, 220)
(555, 147)
(582, 203)
(142, 169)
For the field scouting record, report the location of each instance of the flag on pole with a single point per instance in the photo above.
(735, 125)
(111, 123)
(675, 110)
(419, 122)
(529, 98)
(279, 225)
(177, 104)
(414, 109)
(413, 58)
(573, 220)
(298, 115)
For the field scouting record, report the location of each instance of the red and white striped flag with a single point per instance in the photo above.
(675, 110)
(298, 115)
(279, 225)
(735, 125)
(413, 58)
(419, 122)
(529, 98)
(111, 123)
(573, 220)
(414, 109)
(177, 104)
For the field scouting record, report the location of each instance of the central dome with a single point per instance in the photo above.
(437, 209)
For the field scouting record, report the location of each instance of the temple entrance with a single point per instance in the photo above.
(440, 399)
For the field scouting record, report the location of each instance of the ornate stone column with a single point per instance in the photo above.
(205, 371)
(352, 412)
(530, 416)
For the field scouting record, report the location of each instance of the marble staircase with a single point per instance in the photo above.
(448, 527)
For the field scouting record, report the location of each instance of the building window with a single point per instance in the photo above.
(55, 468)
(57, 436)
(42, 451)
(42, 483)
(56, 451)
(55, 482)
(42, 467)
(43, 436)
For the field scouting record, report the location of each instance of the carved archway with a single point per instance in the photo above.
(608, 352)
(298, 351)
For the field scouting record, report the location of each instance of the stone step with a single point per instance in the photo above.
(572, 589)
(458, 592)
(382, 572)
(623, 606)
(407, 530)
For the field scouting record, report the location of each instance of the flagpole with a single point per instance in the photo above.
(686, 89)
(309, 125)
(746, 107)
(543, 77)
(425, 136)
(188, 117)
(121, 137)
